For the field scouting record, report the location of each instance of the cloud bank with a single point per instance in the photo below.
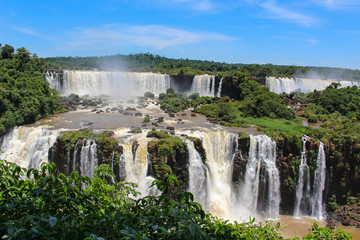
(156, 37)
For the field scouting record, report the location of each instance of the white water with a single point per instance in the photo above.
(204, 85)
(317, 206)
(88, 158)
(211, 183)
(28, 146)
(136, 166)
(262, 153)
(303, 184)
(219, 147)
(124, 84)
(220, 87)
(287, 85)
(53, 79)
(197, 175)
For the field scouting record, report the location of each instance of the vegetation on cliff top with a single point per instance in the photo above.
(44, 205)
(147, 62)
(25, 97)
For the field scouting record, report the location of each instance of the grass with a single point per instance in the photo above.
(274, 124)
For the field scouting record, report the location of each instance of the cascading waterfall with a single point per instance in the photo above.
(211, 183)
(303, 184)
(136, 165)
(204, 85)
(197, 175)
(317, 206)
(88, 158)
(261, 170)
(287, 85)
(219, 147)
(76, 149)
(220, 87)
(112, 83)
(53, 79)
(28, 146)
(122, 171)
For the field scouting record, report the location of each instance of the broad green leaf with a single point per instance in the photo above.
(52, 221)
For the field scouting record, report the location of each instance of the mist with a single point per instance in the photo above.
(112, 63)
(334, 74)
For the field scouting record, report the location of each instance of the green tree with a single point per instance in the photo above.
(7, 51)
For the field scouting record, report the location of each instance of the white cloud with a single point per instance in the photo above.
(154, 36)
(313, 42)
(30, 32)
(338, 4)
(278, 12)
(199, 5)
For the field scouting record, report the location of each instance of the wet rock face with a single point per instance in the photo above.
(347, 215)
(198, 144)
(343, 161)
(289, 155)
(288, 180)
(239, 167)
(169, 155)
(240, 160)
(58, 155)
(66, 152)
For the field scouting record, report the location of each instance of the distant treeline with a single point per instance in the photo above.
(147, 62)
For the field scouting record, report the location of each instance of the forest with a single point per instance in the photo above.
(24, 95)
(147, 62)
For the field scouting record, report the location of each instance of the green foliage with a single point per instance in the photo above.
(326, 233)
(146, 119)
(149, 95)
(130, 109)
(147, 62)
(106, 144)
(7, 51)
(173, 102)
(135, 130)
(157, 134)
(343, 100)
(69, 139)
(44, 205)
(25, 97)
(194, 96)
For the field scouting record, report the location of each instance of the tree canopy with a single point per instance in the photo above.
(24, 94)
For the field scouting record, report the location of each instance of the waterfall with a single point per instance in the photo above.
(303, 184)
(53, 79)
(317, 206)
(287, 85)
(204, 85)
(261, 178)
(219, 147)
(28, 146)
(122, 171)
(197, 175)
(76, 149)
(220, 86)
(88, 159)
(135, 164)
(116, 84)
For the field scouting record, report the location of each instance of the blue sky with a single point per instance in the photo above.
(306, 33)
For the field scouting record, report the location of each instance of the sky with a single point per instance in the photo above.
(303, 33)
